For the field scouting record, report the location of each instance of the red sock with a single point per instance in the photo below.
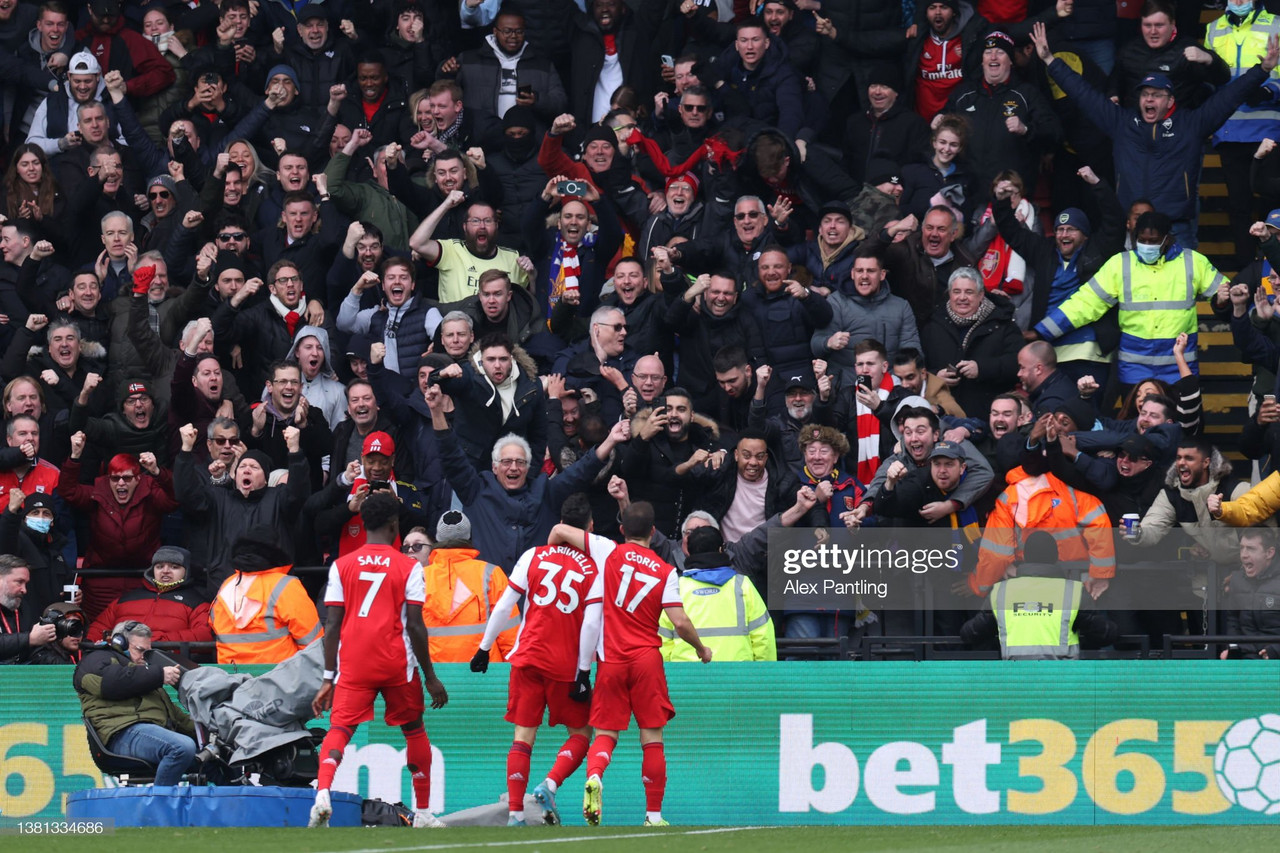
(653, 772)
(569, 759)
(331, 754)
(418, 757)
(517, 775)
(601, 754)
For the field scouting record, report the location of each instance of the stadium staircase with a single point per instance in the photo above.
(1225, 382)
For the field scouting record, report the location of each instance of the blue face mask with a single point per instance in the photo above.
(1240, 10)
(1148, 253)
(39, 525)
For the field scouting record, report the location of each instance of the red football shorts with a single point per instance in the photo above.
(353, 705)
(529, 692)
(637, 686)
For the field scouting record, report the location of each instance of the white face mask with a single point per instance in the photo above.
(1240, 9)
(1148, 253)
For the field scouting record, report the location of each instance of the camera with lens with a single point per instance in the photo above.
(66, 626)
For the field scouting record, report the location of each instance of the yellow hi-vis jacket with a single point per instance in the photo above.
(1240, 47)
(729, 614)
(1157, 303)
(1036, 617)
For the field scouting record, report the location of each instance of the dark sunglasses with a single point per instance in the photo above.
(617, 327)
(754, 214)
(694, 108)
(160, 194)
(232, 235)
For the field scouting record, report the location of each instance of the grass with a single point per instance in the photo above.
(810, 839)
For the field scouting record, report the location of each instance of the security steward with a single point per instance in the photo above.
(1156, 286)
(724, 606)
(1037, 614)
(262, 614)
(462, 591)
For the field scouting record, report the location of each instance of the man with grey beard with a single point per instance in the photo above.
(19, 633)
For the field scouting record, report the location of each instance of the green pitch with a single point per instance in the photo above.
(811, 839)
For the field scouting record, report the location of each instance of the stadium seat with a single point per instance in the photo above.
(125, 769)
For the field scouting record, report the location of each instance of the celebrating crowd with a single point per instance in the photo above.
(755, 263)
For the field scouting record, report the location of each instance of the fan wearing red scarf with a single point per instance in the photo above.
(838, 492)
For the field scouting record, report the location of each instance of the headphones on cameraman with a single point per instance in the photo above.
(66, 624)
(119, 640)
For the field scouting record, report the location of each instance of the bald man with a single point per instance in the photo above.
(1047, 386)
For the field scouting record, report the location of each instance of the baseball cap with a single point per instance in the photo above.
(1273, 218)
(378, 442)
(453, 526)
(803, 380)
(838, 207)
(312, 10)
(947, 450)
(1155, 81)
(1138, 447)
(84, 62)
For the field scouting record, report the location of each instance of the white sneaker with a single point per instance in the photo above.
(322, 810)
(426, 820)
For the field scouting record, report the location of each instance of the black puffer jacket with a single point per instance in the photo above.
(787, 323)
(218, 515)
(702, 336)
(993, 345)
(478, 415)
(317, 70)
(650, 468)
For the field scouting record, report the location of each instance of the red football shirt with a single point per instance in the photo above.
(635, 585)
(374, 584)
(557, 581)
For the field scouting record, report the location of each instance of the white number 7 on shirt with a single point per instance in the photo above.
(647, 582)
(375, 579)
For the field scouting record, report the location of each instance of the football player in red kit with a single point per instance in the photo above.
(635, 587)
(557, 580)
(382, 638)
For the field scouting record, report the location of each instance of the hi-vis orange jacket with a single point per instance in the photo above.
(461, 592)
(263, 617)
(1076, 520)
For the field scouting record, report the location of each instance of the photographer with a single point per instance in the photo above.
(67, 620)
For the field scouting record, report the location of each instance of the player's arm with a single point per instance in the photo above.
(497, 623)
(567, 534)
(334, 600)
(686, 631)
(419, 640)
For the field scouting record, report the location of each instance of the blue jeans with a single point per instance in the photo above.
(174, 752)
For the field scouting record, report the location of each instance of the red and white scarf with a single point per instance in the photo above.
(868, 426)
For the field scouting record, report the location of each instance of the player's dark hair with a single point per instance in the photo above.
(637, 520)
(705, 540)
(917, 412)
(752, 434)
(379, 510)
(576, 510)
